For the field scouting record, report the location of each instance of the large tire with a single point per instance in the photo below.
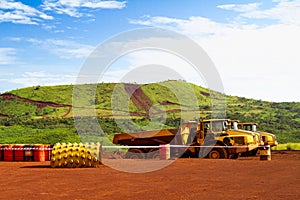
(217, 153)
(186, 154)
(234, 156)
(249, 153)
(153, 154)
(253, 152)
(203, 152)
(135, 154)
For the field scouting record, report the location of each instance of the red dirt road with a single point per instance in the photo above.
(245, 178)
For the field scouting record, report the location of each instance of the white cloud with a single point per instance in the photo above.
(7, 56)
(64, 48)
(253, 61)
(71, 7)
(193, 26)
(261, 63)
(240, 7)
(15, 39)
(139, 67)
(104, 4)
(286, 12)
(19, 13)
(41, 78)
(149, 21)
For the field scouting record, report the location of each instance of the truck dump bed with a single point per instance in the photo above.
(145, 138)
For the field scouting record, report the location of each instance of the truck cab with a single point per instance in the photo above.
(267, 138)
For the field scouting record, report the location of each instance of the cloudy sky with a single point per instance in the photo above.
(254, 45)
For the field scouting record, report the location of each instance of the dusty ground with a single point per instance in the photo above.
(245, 178)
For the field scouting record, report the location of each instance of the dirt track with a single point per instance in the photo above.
(245, 178)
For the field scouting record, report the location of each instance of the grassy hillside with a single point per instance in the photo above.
(61, 94)
(44, 115)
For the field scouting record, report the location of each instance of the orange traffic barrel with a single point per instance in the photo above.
(28, 152)
(18, 150)
(39, 152)
(8, 153)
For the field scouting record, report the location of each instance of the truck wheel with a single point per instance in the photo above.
(135, 154)
(154, 154)
(250, 153)
(235, 156)
(253, 152)
(217, 153)
(188, 154)
(203, 153)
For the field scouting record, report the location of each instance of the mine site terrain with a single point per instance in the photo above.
(244, 178)
(43, 115)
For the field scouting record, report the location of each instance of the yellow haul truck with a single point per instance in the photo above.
(208, 138)
(235, 126)
(233, 131)
(267, 138)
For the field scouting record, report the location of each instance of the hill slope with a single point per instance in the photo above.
(35, 113)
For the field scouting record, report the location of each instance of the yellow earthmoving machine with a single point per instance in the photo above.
(234, 126)
(267, 138)
(232, 131)
(207, 138)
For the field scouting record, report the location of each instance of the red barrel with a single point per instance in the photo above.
(1, 153)
(18, 150)
(8, 153)
(28, 152)
(164, 151)
(39, 152)
(47, 152)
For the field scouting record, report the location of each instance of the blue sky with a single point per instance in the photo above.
(255, 45)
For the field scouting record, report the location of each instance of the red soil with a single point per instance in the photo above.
(245, 178)
(139, 98)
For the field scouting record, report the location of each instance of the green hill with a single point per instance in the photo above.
(44, 114)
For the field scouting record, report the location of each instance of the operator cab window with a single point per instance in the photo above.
(206, 127)
(217, 126)
(248, 128)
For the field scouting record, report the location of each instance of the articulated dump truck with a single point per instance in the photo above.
(267, 138)
(209, 138)
(235, 126)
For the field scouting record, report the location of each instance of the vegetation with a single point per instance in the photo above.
(61, 94)
(24, 122)
(288, 146)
